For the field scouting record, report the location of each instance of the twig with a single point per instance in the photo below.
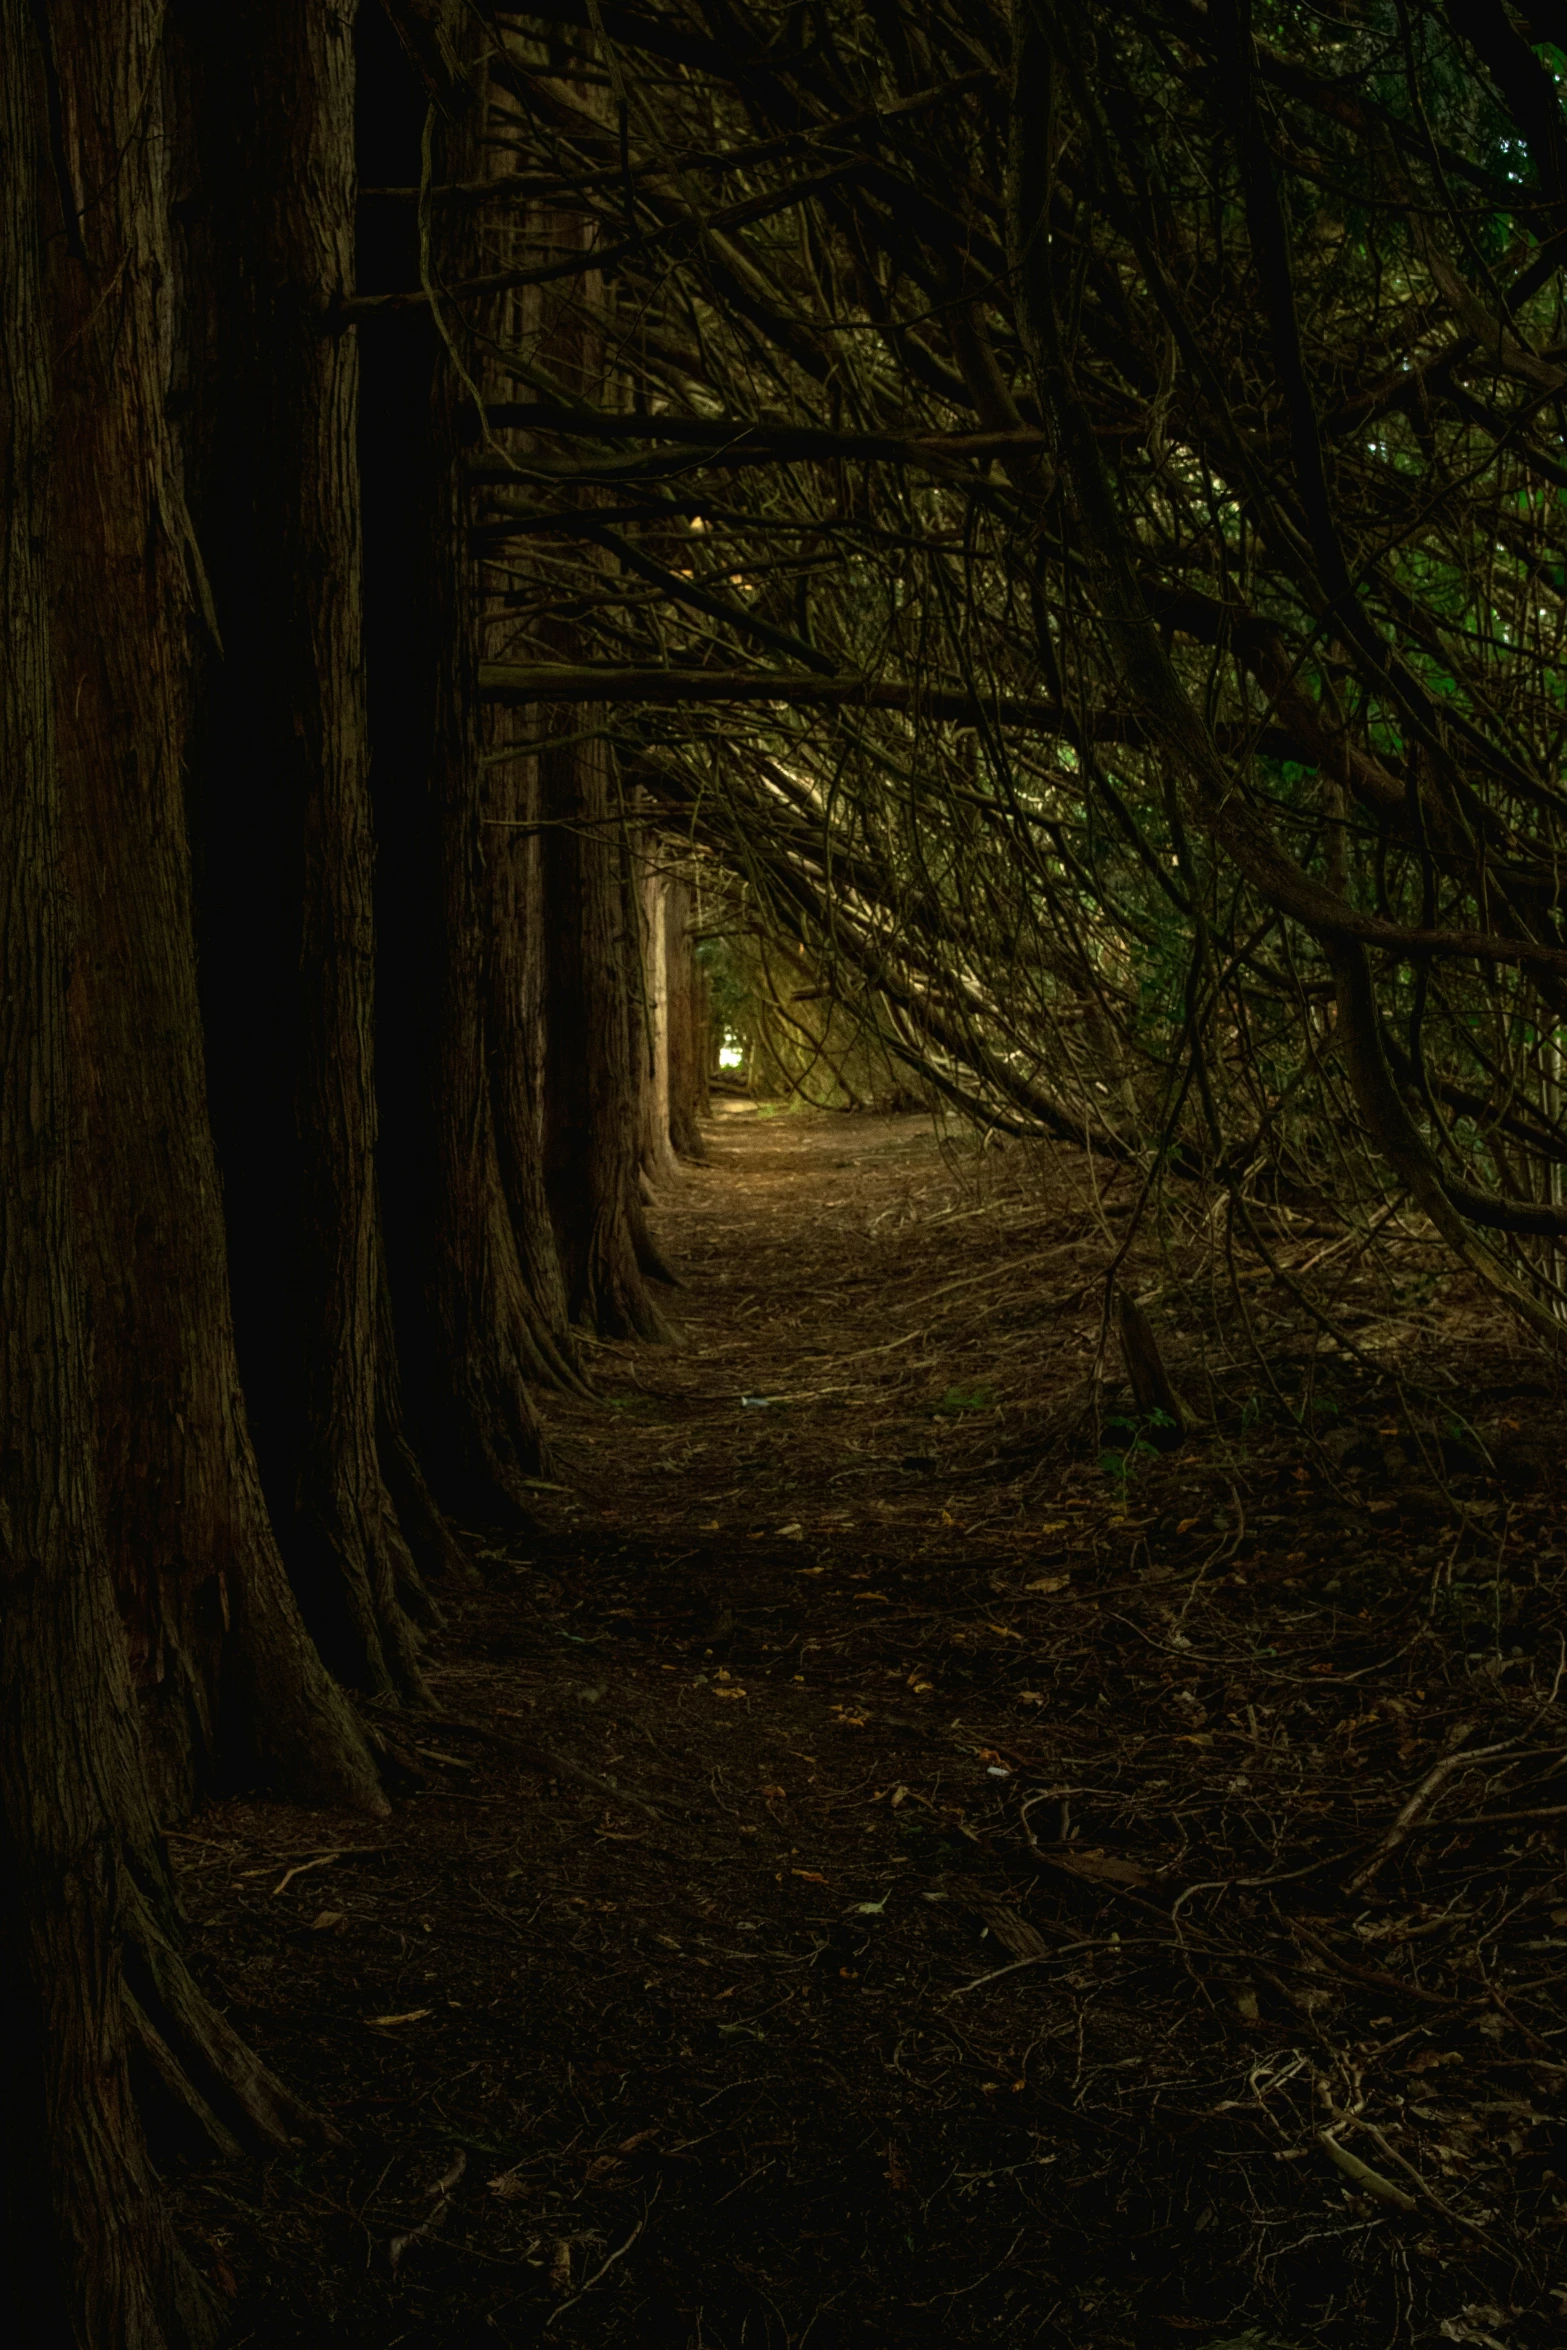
(1371, 2181)
(442, 2192)
(608, 2261)
(543, 1758)
(1439, 1772)
(320, 1862)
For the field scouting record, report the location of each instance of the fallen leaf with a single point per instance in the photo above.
(794, 1533)
(811, 1876)
(1014, 1933)
(1048, 1583)
(560, 2267)
(630, 2145)
(508, 2188)
(1056, 1526)
(733, 1691)
(597, 2168)
(1030, 1697)
(870, 1595)
(898, 2178)
(1004, 1631)
(412, 2015)
(1186, 1525)
(326, 1919)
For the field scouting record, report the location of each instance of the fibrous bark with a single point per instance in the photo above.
(481, 1313)
(515, 1016)
(690, 1023)
(591, 1141)
(228, 1675)
(91, 1978)
(650, 1021)
(289, 855)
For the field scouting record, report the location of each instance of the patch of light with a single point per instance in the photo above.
(730, 1057)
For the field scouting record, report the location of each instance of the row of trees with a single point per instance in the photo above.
(1089, 545)
(1058, 511)
(313, 1161)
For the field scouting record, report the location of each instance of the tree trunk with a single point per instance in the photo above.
(689, 1023)
(288, 892)
(650, 1018)
(591, 1095)
(519, 913)
(482, 1314)
(593, 1024)
(227, 1673)
(88, 2253)
(89, 2256)
(518, 1049)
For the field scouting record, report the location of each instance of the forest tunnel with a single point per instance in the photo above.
(782, 1001)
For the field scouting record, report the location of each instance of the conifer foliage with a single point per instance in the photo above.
(1050, 521)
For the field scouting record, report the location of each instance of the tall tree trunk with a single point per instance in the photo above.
(289, 917)
(650, 1024)
(591, 1103)
(482, 1315)
(514, 863)
(88, 2255)
(593, 1020)
(518, 1047)
(690, 1023)
(228, 1674)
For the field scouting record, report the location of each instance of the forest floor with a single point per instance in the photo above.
(902, 1859)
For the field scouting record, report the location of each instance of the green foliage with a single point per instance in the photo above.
(1078, 835)
(1120, 1462)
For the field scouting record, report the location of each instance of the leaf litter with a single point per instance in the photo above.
(1231, 2011)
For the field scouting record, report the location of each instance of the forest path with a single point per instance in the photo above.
(829, 1937)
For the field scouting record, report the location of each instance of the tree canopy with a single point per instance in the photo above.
(1046, 524)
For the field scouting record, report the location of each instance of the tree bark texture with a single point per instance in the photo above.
(289, 944)
(591, 919)
(519, 916)
(650, 1031)
(88, 2255)
(228, 1675)
(515, 1011)
(690, 1022)
(481, 1313)
(591, 1101)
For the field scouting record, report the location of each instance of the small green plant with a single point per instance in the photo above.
(1120, 1462)
(963, 1399)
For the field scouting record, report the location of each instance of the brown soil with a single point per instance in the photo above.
(885, 1870)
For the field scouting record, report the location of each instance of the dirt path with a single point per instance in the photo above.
(854, 1921)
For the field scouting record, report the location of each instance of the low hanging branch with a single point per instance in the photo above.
(1135, 590)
